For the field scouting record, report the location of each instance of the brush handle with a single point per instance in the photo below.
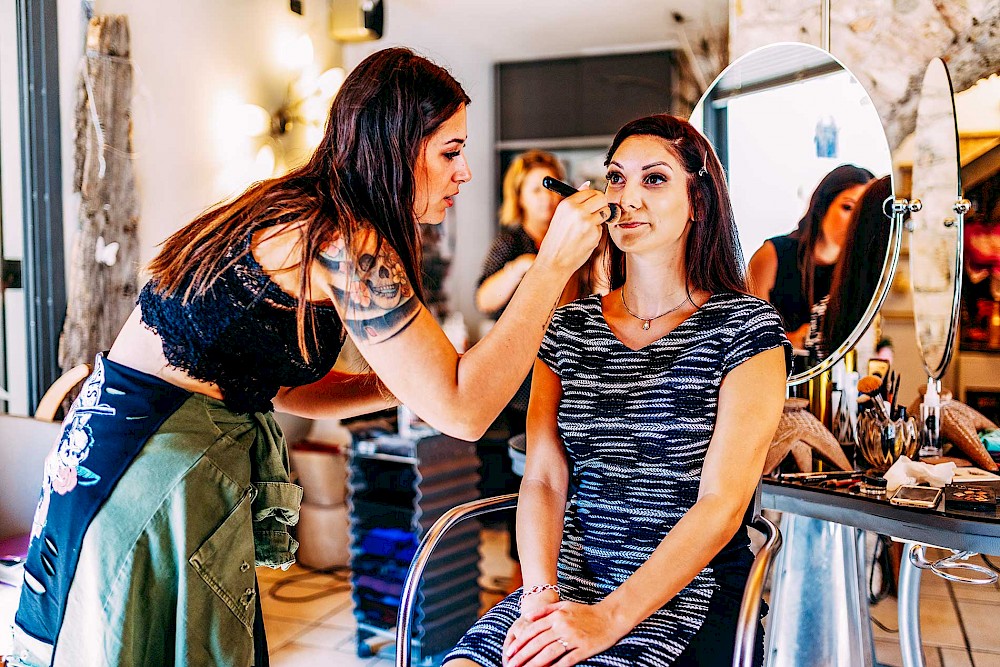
(894, 398)
(558, 187)
(565, 190)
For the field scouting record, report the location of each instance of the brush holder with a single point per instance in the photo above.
(882, 441)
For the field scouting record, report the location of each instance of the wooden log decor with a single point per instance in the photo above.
(103, 280)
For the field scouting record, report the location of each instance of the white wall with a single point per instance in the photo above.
(195, 63)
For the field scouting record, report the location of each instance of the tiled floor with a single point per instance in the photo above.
(958, 621)
(320, 632)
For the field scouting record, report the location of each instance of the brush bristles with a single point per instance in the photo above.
(869, 384)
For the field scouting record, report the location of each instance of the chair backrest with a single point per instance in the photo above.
(24, 444)
(53, 398)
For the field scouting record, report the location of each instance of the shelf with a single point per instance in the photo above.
(408, 493)
(556, 143)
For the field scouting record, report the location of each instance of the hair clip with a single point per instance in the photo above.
(704, 166)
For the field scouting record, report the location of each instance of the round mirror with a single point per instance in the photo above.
(936, 243)
(806, 157)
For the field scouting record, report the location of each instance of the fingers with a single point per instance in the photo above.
(588, 201)
(525, 635)
(541, 650)
(515, 629)
(547, 656)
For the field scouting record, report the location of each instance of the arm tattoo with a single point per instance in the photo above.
(371, 288)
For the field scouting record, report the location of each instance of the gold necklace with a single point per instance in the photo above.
(647, 320)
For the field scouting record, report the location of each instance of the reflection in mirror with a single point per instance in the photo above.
(800, 141)
(936, 243)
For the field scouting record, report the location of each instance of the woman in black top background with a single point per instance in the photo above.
(794, 271)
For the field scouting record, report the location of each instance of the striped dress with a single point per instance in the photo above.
(636, 425)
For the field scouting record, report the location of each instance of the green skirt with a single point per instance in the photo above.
(165, 574)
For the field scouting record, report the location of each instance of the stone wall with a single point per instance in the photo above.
(885, 43)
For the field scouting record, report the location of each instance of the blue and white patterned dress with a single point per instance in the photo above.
(636, 425)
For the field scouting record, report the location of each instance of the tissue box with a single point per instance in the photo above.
(321, 472)
(324, 536)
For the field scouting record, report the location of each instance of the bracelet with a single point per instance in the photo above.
(534, 590)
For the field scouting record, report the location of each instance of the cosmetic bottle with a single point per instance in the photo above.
(930, 419)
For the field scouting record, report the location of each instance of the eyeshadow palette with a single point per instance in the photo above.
(970, 497)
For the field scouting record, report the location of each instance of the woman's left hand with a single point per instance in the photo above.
(563, 634)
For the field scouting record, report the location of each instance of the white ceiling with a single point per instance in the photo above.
(540, 28)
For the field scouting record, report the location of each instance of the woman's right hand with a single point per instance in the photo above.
(574, 231)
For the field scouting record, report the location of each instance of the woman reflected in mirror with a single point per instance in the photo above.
(795, 271)
(855, 277)
(652, 408)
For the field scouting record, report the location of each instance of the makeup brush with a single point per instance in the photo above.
(870, 385)
(565, 189)
(894, 393)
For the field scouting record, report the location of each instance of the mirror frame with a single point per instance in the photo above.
(949, 346)
(892, 249)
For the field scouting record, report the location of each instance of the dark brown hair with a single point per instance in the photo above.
(810, 227)
(712, 254)
(361, 175)
(860, 264)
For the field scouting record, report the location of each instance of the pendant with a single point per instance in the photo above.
(645, 325)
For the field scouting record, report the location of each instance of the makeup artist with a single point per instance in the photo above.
(170, 480)
(794, 271)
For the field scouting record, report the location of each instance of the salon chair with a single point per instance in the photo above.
(749, 609)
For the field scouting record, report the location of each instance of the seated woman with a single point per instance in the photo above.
(794, 271)
(658, 400)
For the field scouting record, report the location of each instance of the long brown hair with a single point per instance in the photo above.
(362, 174)
(810, 227)
(712, 254)
(859, 267)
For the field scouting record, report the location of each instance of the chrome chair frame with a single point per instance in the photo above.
(749, 608)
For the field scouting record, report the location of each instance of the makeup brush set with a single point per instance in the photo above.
(885, 431)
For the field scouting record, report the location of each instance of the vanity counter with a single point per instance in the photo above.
(824, 545)
(963, 530)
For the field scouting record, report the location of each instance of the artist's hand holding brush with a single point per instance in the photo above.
(575, 229)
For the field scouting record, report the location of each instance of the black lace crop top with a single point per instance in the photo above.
(242, 335)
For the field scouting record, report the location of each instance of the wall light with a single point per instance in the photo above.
(308, 100)
(252, 120)
(307, 103)
(257, 143)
